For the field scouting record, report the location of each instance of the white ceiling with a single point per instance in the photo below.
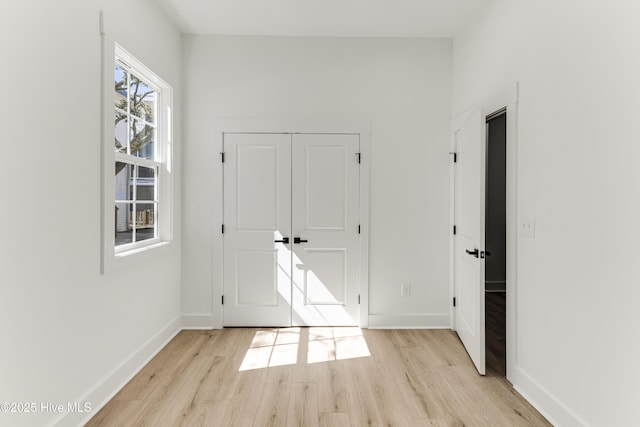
(323, 18)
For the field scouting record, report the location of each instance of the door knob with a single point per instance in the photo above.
(473, 252)
(297, 240)
(284, 240)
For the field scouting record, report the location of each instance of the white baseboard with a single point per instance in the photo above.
(409, 321)
(119, 377)
(545, 402)
(198, 321)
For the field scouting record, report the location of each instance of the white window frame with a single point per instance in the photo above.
(116, 257)
(123, 60)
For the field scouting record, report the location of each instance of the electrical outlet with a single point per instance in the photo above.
(405, 290)
(528, 227)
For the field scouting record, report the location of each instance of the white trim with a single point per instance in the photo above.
(409, 321)
(300, 125)
(141, 161)
(508, 98)
(135, 253)
(113, 382)
(364, 228)
(198, 321)
(554, 410)
(452, 223)
(217, 238)
(511, 99)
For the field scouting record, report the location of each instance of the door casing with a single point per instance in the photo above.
(259, 125)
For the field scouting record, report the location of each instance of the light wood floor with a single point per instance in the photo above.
(315, 377)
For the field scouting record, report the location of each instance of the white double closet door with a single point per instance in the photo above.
(291, 229)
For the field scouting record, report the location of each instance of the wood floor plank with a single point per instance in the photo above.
(303, 406)
(430, 423)
(333, 419)
(271, 409)
(167, 365)
(394, 374)
(190, 392)
(316, 377)
(332, 389)
(242, 407)
(304, 372)
(362, 403)
(203, 415)
(118, 413)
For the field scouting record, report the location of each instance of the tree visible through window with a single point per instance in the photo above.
(136, 162)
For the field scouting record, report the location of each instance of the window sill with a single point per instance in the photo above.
(134, 256)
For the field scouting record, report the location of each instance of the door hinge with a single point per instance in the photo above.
(359, 157)
(222, 156)
(222, 299)
(454, 301)
(358, 228)
(454, 229)
(358, 298)
(222, 228)
(455, 156)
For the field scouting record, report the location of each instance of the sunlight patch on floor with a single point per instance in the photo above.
(280, 347)
(275, 347)
(326, 344)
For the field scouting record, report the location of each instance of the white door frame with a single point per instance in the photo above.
(509, 99)
(261, 125)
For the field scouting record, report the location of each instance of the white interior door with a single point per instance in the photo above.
(304, 188)
(325, 220)
(469, 193)
(257, 213)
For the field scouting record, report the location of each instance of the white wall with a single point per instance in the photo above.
(579, 143)
(71, 334)
(403, 86)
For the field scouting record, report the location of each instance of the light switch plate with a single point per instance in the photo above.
(405, 290)
(528, 227)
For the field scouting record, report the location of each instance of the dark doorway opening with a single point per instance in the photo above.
(496, 243)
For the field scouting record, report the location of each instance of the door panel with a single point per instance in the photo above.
(325, 191)
(257, 285)
(257, 211)
(331, 288)
(469, 194)
(257, 187)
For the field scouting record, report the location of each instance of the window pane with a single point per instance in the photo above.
(120, 87)
(121, 129)
(145, 221)
(120, 98)
(124, 181)
(142, 140)
(146, 183)
(143, 100)
(124, 230)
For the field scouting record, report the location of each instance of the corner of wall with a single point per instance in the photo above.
(199, 321)
(544, 401)
(106, 388)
